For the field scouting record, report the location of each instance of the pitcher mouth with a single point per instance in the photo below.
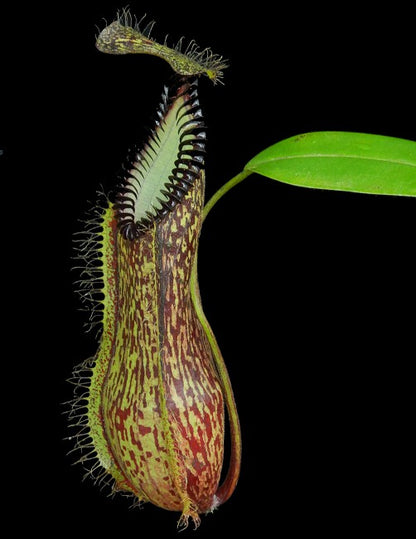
(158, 175)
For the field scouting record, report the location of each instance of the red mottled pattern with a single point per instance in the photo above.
(162, 407)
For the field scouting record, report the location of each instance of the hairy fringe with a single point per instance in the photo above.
(79, 430)
(87, 244)
(88, 287)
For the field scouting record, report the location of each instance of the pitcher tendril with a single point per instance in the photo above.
(125, 36)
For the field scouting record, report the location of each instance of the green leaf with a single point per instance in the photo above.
(341, 161)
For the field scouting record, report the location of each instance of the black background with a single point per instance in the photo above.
(310, 293)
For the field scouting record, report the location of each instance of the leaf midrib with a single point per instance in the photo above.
(336, 156)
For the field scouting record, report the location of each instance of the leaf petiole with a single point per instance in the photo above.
(223, 190)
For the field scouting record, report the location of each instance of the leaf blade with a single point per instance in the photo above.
(342, 161)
